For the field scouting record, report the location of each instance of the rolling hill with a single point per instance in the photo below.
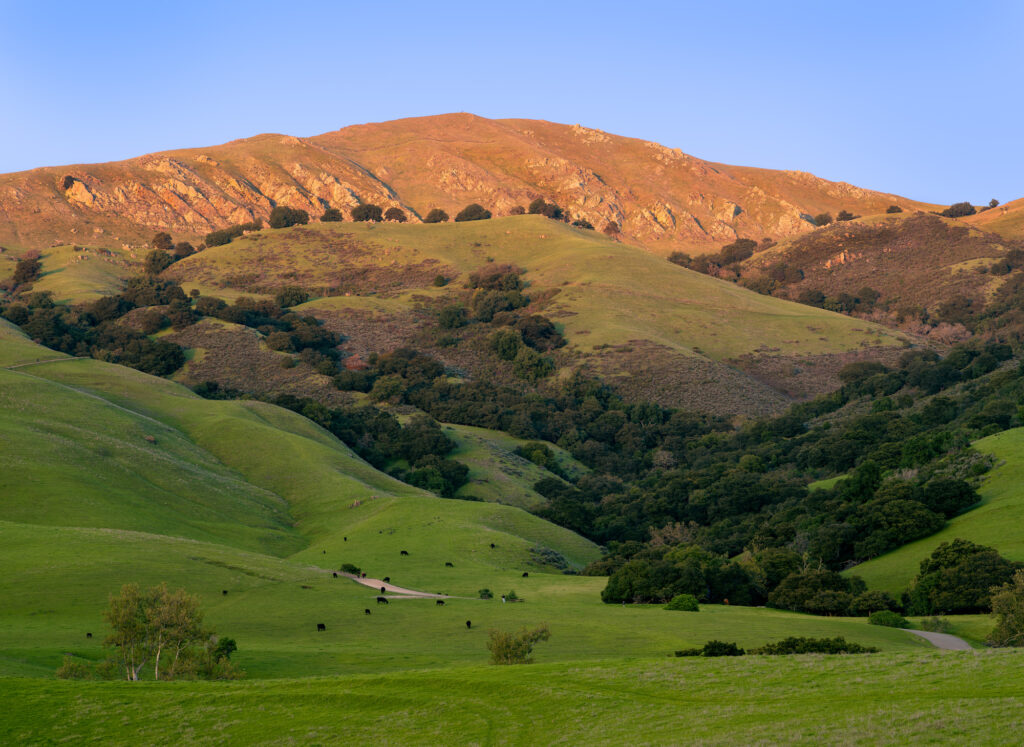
(662, 198)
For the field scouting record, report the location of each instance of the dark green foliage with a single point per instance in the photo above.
(183, 249)
(531, 365)
(506, 344)
(894, 209)
(27, 270)
(162, 241)
(452, 316)
(515, 648)
(332, 215)
(473, 211)
(800, 645)
(737, 251)
(539, 333)
(537, 206)
(1008, 608)
(713, 648)
(291, 296)
(351, 568)
(485, 594)
(958, 578)
(683, 603)
(396, 214)
(822, 219)
(845, 215)
(820, 592)
(157, 261)
(436, 215)
(581, 223)
(367, 213)
(539, 453)
(224, 648)
(438, 475)
(497, 277)
(223, 236)
(888, 619)
(959, 210)
(440, 281)
(869, 602)
(283, 216)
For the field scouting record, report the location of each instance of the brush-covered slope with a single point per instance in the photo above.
(662, 332)
(661, 197)
(996, 522)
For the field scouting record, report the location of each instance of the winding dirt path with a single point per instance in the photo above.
(400, 593)
(942, 640)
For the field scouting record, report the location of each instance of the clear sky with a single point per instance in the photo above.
(922, 99)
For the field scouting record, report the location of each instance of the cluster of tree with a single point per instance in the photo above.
(163, 629)
(27, 270)
(959, 577)
(165, 253)
(863, 301)
(227, 235)
(283, 216)
(959, 210)
(785, 647)
(824, 219)
(726, 261)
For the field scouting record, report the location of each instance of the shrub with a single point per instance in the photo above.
(440, 281)
(800, 645)
(367, 213)
(281, 341)
(1008, 608)
(683, 603)
(396, 214)
(436, 215)
(452, 317)
(888, 619)
(291, 296)
(27, 270)
(958, 210)
(845, 215)
(157, 261)
(713, 648)
(611, 228)
(537, 206)
(162, 241)
(351, 568)
(822, 219)
(517, 210)
(894, 209)
(332, 215)
(473, 211)
(486, 594)
(183, 249)
(223, 236)
(936, 624)
(581, 223)
(505, 344)
(958, 577)
(284, 217)
(515, 648)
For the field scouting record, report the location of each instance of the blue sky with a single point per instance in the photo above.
(922, 99)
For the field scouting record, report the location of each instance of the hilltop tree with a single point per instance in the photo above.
(332, 215)
(993, 203)
(162, 241)
(396, 214)
(959, 210)
(517, 210)
(27, 270)
(285, 217)
(894, 209)
(367, 213)
(845, 215)
(515, 648)
(473, 211)
(436, 215)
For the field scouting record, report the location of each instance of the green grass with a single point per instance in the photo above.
(996, 521)
(933, 698)
(81, 276)
(608, 293)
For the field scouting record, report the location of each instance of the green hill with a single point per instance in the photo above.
(995, 522)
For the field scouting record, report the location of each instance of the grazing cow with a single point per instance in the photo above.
(387, 579)
(364, 575)
(404, 552)
(383, 589)
(366, 612)
(320, 627)
(335, 574)
(469, 624)
(493, 545)
(526, 574)
(439, 603)
(88, 635)
(449, 565)
(382, 600)
(325, 552)
(345, 539)
(225, 592)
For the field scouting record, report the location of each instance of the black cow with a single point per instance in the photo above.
(449, 565)
(88, 635)
(525, 574)
(320, 627)
(404, 552)
(383, 589)
(335, 574)
(366, 612)
(382, 600)
(225, 592)
(439, 603)
(387, 579)
(469, 624)
(493, 545)
(345, 539)
(325, 552)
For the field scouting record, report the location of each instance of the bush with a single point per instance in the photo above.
(581, 223)
(183, 249)
(517, 210)
(436, 215)
(452, 317)
(285, 217)
(486, 594)
(472, 211)
(845, 216)
(1008, 607)
(611, 228)
(396, 214)
(290, 296)
(351, 568)
(713, 648)
(505, 344)
(27, 270)
(515, 648)
(367, 213)
(822, 219)
(440, 281)
(162, 241)
(332, 215)
(958, 578)
(683, 603)
(894, 209)
(958, 210)
(223, 236)
(799, 645)
(888, 619)
(936, 624)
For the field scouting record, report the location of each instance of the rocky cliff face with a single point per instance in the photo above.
(662, 198)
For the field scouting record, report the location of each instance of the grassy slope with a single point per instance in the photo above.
(788, 700)
(79, 276)
(609, 293)
(995, 522)
(1006, 220)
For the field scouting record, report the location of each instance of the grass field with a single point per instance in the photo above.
(79, 274)
(995, 522)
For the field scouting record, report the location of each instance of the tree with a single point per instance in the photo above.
(505, 343)
(367, 213)
(892, 209)
(285, 217)
(291, 296)
(517, 210)
(515, 648)
(157, 261)
(611, 228)
(822, 219)
(683, 603)
(27, 270)
(332, 215)
(1008, 608)
(183, 249)
(537, 206)
(473, 211)
(581, 223)
(396, 214)
(993, 203)
(162, 241)
(436, 215)
(958, 577)
(845, 215)
(959, 210)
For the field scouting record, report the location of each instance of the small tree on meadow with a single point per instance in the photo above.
(283, 216)
(367, 213)
(959, 210)
(1008, 608)
(436, 215)
(517, 210)
(515, 648)
(183, 249)
(611, 228)
(162, 241)
(396, 214)
(332, 215)
(473, 211)
(27, 270)
(892, 209)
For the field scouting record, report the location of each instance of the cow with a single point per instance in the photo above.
(387, 579)
(335, 574)
(320, 627)
(88, 635)
(224, 592)
(493, 545)
(526, 574)
(345, 539)
(383, 589)
(404, 552)
(366, 612)
(469, 624)
(449, 565)
(325, 552)
(382, 600)
(439, 603)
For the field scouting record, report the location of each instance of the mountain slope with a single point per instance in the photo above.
(662, 198)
